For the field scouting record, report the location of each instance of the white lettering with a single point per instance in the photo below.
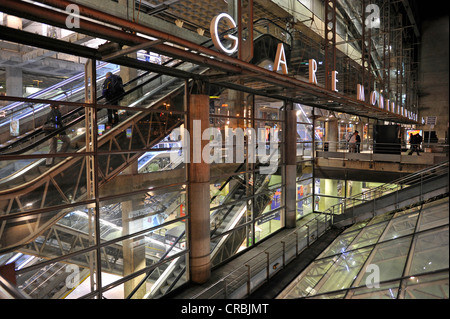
(73, 280)
(193, 309)
(312, 71)
(373, 279)
(373, 98)
(334, 81)
(381, 101)
(373, 19)
(73, 19)
(213, 135)
(280, 58)
(214, 29)
(360, 92)
(196, 141)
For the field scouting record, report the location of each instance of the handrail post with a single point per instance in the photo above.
(225, 288)
(421, 187)
(248, 280)
(267, 265)
(373, 213)
(396, 198)
(307, 235)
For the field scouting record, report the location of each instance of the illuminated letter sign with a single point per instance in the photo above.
(360, 92)
(214, 29)
(373, 98)
(312, 71)
(334, 81)
(381, 102)
(280, 58)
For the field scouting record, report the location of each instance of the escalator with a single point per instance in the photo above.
(47, 187)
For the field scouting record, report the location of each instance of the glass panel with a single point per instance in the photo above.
(227, 217)
(305, 207)
(304, 133)
(130, 214)
(356, 226)
(324, 202)
(58, 280)
(165, 276)
(230, 189)
(339, 245)
(330, 187)
(50, 234)
(333, 295)
(386, 262)
(304, 113)
(434, 215)
(305, 283)
(268, 224)
(385, 291)
(268, 201)
(268, 108)
(368, 236)
(304, 150)
(344, 271)
(433, 286)
(400, 226)
(226, 246)
(430, 252)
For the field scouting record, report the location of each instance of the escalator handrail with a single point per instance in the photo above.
(39, 130)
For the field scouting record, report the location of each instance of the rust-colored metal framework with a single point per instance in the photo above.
(287, 88)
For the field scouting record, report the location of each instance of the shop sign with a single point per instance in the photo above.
(375, 98)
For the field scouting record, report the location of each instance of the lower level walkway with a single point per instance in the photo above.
(213, 289)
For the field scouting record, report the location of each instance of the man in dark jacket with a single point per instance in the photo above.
(112, 91)
(415, 141)
(55, 117)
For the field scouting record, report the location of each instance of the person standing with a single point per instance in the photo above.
(358, 142)
(415, 141)
(112, 91)
(354, 143)
(55, 118)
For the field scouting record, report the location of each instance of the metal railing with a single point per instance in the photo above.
(371, 147)
(258, 270)
(414, 179)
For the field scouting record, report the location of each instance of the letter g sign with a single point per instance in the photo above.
(214, 29)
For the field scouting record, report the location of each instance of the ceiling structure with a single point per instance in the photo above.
(224, 70)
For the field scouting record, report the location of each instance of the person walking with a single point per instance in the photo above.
(55, 119)
(112, 91)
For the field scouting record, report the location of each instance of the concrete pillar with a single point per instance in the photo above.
(198, 194)
(291, 168)
(133, 256)
(14, 82)
(332, 134)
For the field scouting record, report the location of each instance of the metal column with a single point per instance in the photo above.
(91, 173)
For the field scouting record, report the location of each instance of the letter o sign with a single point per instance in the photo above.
(214, 29)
